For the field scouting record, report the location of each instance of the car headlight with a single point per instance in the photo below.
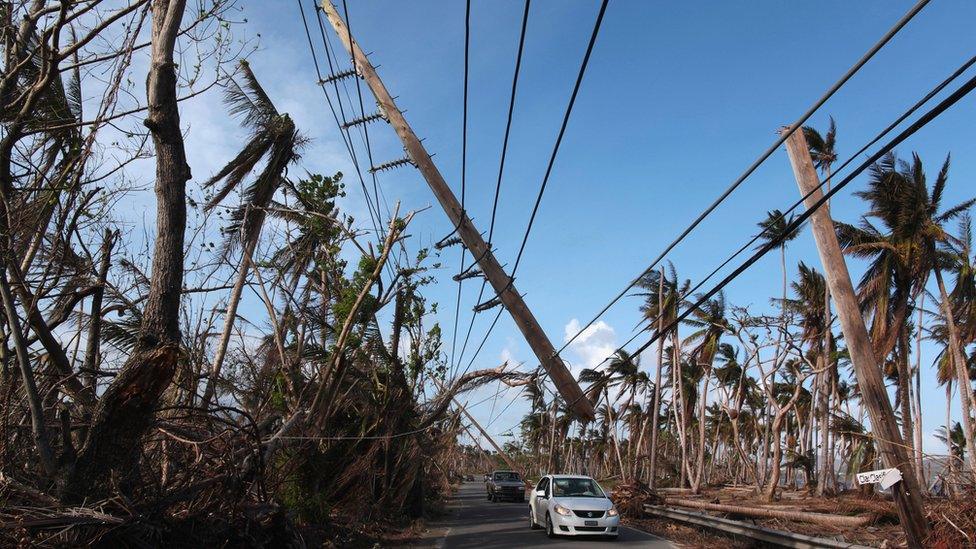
(612, 512)
(562, 510)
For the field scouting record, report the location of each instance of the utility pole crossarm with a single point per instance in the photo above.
(500, 281)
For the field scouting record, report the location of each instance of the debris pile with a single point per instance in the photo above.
(630, 498)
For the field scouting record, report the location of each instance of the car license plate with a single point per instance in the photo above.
(589, 522)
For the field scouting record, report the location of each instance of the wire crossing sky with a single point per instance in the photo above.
(677, 99)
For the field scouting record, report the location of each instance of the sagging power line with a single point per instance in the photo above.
(758, 162)
(525, 320)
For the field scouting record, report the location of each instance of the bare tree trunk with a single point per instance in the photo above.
(656, 409)
(91, 364)
(39, 429)
(798, 516)
(679, 406)
(126, 410)
(826, 475)
(636, 471)
(230, 316)
(700, 464)
(821, 419)
(774, 471)
(832, 449)
(919, 469)
(613, 435)
(550, 463)
(948, 426)
(743, 457)
(905, 392)
(962, 374)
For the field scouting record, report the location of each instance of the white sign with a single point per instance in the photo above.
(885, 477)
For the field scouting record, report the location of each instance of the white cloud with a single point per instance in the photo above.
(596, 343)
(508, 353)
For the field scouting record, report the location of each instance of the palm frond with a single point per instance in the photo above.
(250, 102)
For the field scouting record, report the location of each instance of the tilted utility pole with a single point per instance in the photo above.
(508, 460)
(908, 498)
(493, 272)
(475, 440)
(504, 456)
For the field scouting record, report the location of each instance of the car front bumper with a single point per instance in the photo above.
(510, 492)
(580, 526)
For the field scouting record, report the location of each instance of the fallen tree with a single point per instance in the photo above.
(757, 512)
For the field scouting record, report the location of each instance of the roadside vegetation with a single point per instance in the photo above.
(139, 404)
(143, 404)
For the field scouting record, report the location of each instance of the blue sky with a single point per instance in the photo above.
(679, 98)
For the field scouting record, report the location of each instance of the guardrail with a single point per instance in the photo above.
(777, 537)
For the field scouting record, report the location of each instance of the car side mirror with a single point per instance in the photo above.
(540, 494)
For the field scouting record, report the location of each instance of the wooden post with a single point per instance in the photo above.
(485, 453)
(496, 276)
(508, 460)
(478, 444)
(906, 493)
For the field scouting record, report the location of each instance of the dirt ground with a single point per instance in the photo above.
(952, 522)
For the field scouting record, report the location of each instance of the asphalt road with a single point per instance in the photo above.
(473, 521)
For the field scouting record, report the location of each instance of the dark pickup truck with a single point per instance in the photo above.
(505, 485)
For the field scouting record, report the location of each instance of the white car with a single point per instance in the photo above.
(572, 505)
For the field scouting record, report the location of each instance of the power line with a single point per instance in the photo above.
(346, 141)
(464, 171)
(362, 110)
(944, 105)
(914, 108)
(502, 412)
(484, 340)
(508, 121)
(555, 149)
(501, 169)
(562, 131)
(379, 227)
(759, 161)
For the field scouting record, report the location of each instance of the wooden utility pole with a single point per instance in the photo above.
(508, 460)
(470, 236)
(478, 444)
(908, 498)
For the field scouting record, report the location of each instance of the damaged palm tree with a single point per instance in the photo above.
(275, 139)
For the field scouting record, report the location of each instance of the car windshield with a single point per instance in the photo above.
(507, 477)
(576, 488)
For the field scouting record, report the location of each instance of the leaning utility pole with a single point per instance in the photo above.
(470, 236)
(475, 440)
(467, 414)
(908, 498)
(504, 456)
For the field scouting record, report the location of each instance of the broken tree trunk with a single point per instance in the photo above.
(758, 512)
(126, 409)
